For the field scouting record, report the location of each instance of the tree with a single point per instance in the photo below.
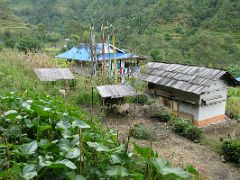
(28, 44)
(53, 37)
(155, 54)
(9, 42)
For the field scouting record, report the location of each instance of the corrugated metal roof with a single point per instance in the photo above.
(53, 74)
(83, 53)
(186, 78)
(116, 91)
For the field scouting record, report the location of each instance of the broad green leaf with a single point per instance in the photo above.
(118, 171)
(115, 159)
(40, 110)
(11, 114)
(163, 168)
(62, 125)
(29, 171)
(97, 146)
(160, 163)
(66, 133)
(179, 172)
(64, 145)
(113, 136)
(43, 128)
(13, 131)
(28, 149)
(63, 163)
(75, 140)
(79, 177)
(26, 106)
(191, 170)
(137, 176)
(118, 149)
(28, 123)
(80, 124)
(44, 143)
(43, 162)
(145, 152)
(73, 153)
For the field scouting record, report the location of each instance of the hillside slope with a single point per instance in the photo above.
(8, 20)
(200, 32)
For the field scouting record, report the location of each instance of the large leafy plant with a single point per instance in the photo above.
(44, 139)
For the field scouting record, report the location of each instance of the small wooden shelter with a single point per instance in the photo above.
(116, 91)
(113, 97)
(53, 74)
(57, 74)
(196, 93)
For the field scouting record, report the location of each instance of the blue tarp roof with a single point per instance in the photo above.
(83, 53)
(238, 79)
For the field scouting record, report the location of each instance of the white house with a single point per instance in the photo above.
(196, 93)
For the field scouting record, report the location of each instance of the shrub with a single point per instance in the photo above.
(1, 47)
(141, 99)
(179, 126)
(194, 133)
(28, 43)
(10, 43)
(139, 131)
(186, 129)
(161, 115)
(231, 150)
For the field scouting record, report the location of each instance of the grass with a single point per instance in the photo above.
(233, 103)
(16, 74)
(140, 131)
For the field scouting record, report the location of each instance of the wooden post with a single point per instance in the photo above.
(92, 98)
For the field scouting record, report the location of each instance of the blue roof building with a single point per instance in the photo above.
(238, 79)
(83, 53)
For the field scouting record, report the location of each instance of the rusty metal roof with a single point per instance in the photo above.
(183, 77)
(116, 91)
(53, 74)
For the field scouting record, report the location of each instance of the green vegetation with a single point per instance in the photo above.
(28, 44)
(41, 137)
(162, 115)
(141, 99)
(45, 136)
(186, 129)
(191, 32)
(141, 131)
(233, 103)
(231, 150)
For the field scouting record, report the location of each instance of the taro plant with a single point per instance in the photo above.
(41, 138)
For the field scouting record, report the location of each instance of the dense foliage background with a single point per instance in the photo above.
(195, 32)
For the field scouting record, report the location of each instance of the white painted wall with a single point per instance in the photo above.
(189, 109)
(218, 88)
(200, 111)
(209, 111)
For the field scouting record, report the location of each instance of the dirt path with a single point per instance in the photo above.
(179, 150)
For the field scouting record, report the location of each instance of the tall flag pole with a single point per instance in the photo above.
(115, 57)
(103, 48)
(109, 53)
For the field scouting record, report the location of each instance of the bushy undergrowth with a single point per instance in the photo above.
(231, 150)
(186, 129)
(140, 99)
(233, 103)
(161, 114)
(42, 138)
(141, 131)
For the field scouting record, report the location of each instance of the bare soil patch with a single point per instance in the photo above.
(181, 151)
